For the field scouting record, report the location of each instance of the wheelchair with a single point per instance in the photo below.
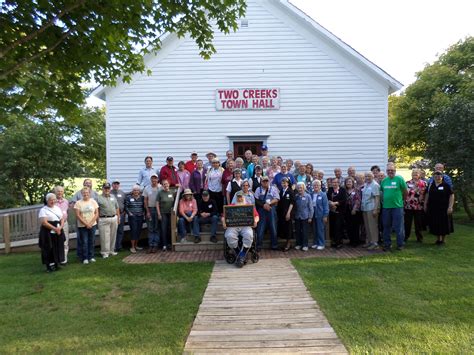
(231, 257)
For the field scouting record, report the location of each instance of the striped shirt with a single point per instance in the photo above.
(135, 206)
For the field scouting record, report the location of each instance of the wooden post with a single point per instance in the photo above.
(6, 234)
(173, 229)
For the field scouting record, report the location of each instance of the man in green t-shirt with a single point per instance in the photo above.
(394, 192)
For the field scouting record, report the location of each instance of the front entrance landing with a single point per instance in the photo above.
(261, 308)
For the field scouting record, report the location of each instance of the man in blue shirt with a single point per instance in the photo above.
(284, 174)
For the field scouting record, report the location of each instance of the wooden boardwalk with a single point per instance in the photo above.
(261, 308)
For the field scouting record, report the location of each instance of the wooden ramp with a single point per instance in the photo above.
(261, 308)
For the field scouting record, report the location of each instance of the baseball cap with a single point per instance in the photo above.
(106, 185)
(169, 158)
(205, 193)
(264, 147)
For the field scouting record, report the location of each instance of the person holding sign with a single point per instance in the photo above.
(232, 233)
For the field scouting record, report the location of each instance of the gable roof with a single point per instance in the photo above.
(305, 20)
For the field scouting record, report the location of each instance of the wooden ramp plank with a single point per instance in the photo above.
(262, 308)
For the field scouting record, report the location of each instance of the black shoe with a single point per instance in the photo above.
(276, 248)
(387, 248)
(214, 239)
(400, 248)
(339, 246)
(197, 240)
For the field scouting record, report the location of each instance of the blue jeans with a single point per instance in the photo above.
(119, 238)
(319, 232)
(153, 228)
(267, 219)
(392, 218)
(78, 244)
(301, 226)
(135, 223)
(212, 220)
(87, 237)
(183, 224)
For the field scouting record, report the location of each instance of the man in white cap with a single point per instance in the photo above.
(150, 193)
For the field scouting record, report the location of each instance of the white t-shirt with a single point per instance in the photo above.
(51, 213)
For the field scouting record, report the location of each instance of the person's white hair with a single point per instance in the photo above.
(317, 182)
(57, 188)
(50, 196)
(136, 187)
(301, 183)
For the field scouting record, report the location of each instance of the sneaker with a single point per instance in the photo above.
(133, 250)
(305, 249)
(139, 248)
(164, 248)
(85, 262)
(320, 247)
(105, 256)
(213, 239)
(298, 247)
(113, 253)
(314, 246)
(183, 240)
(92, 260)
(373, 247)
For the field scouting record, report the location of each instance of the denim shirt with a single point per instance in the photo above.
(320, 204)
(303, 206)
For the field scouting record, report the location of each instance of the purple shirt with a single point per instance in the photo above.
(196, 184)
(184, 177)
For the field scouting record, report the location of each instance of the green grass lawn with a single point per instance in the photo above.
(106, 307)
(420, 300)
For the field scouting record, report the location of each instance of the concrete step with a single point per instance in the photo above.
(206, 244)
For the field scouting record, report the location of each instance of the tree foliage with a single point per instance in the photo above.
(452, 140)
(436, 88)
(48, 48)
(40, 152)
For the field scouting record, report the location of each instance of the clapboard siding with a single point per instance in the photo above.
(328, 114)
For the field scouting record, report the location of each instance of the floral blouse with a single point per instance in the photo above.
(416, 195)
(353, 199)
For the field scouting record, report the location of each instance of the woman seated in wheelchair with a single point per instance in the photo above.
(232, 237)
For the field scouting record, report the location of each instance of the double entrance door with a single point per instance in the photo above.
(241, 147)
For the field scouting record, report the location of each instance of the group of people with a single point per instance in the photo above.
(290, 198)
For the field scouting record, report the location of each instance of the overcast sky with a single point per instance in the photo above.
(399, 36)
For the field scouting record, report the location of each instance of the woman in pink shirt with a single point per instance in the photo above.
(63, 205)
(188, 216)
(184, 176)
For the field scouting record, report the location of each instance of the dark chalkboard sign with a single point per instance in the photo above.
(238, 215)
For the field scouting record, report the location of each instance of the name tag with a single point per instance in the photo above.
(353, 193)
(441, 188)
(170, 196)
(303, 199)
(287, 197)
(119, 195)
(394, 182)
(210, 206)
(411, 186)
(132, 200)
(320, 198)
(112, 199)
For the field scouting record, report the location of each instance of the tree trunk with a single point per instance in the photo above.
(467, 208)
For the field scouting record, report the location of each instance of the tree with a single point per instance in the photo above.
(433, 118)
(452, 140)
(437, 86)
(41, 152)
(48, 48)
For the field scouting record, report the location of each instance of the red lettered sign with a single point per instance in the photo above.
(247, 99)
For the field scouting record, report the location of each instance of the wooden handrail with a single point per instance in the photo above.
(174, 217)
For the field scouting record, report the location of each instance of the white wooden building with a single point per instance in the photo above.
(329, 103)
